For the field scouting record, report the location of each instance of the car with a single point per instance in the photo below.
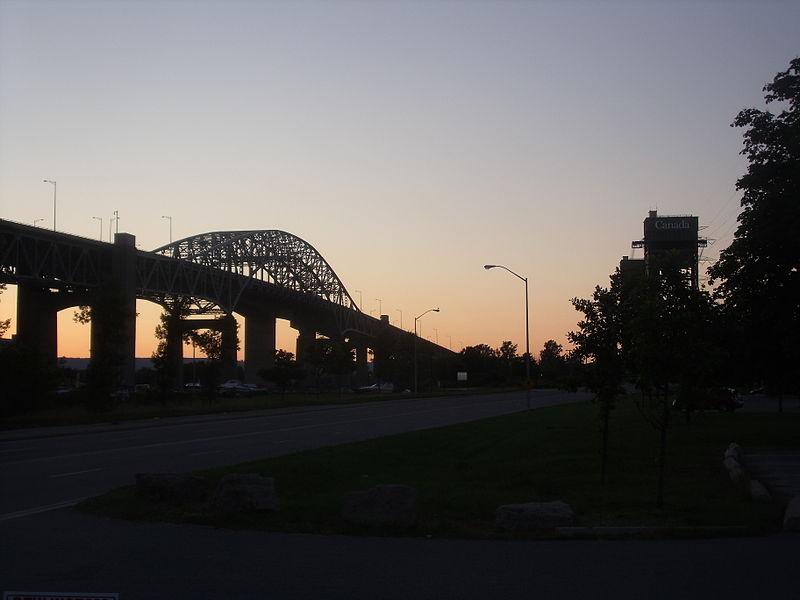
(375, 388)
(234, 387)
(725, 398)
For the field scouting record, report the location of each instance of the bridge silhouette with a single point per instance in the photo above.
(200, 281)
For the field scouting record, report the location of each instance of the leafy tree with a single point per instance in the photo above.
(758, 273)
(284, 372)
(599, 339)
(552, 362)
(5, 324)
(667, 332)
(482, 362)
(332, 357)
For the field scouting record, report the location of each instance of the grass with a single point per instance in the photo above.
(69, 411)
(463, 472)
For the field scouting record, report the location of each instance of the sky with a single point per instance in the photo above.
(409, 142)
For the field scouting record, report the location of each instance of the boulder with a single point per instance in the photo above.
(245, 492)
(734, 451)
(758, 491)
(534, 515)
(791, 518)
(174, 488)
(382, 506)
(735, 471)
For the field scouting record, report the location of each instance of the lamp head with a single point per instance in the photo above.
(487, 267)
(435, 310)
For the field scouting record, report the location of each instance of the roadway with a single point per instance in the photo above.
(46, 546)
(54, 467)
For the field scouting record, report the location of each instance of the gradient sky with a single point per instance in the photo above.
(409, 142)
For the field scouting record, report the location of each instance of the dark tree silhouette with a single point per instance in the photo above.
(758, 274)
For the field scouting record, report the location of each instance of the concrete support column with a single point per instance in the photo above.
(174, 356)
(228, 350)
(37, 320)
(362, 370)
(114, 317)
(259, 345)
(305, 339)
(124, 277)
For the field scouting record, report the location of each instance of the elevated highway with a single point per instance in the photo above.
(259, 274)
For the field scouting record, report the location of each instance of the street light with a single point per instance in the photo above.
(527, 333)
(170, 226)
(54, 200)
(101, 226)
(416, 386)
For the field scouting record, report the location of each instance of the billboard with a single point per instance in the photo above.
(671, 229)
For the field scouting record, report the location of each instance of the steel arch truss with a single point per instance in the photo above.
(271, 256)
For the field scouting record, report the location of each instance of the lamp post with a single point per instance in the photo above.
(170, 226)
(416, 386)
(527, 333)
(101, 226)
(360, 299)
(401, 317)
(54, 200)
(380, 307)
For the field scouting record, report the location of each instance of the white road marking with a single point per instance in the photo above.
(75, 473)
(40, 509)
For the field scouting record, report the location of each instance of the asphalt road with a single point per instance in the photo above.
(44, 469)
(46, 548)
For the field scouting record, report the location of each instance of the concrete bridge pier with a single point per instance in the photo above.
(305, 340)
(228, 349)
(37, 319)
(113, 334)
(259, 345)
(362, 370)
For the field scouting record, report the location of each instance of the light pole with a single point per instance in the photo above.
(360, 299)
(101, 226)
(416, 386)
(380, 307)
(54, 200)
(527, 333)
(401, 317)
(170, 226)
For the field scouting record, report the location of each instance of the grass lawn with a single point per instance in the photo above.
(463, 472)
(72, 412)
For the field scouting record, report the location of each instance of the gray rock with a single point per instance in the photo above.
(382, 506)
(245, 492)
(735, 471)
(791, 518)
(534, 515)
(734, 451)
(174, 488)
(757, 491)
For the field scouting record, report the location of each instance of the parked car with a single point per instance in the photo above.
(375, 388)
(720, 398)
(234, 387)
(725, 398)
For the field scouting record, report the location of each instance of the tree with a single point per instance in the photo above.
(552, 362)
(758, 274)
(332, 357)
(666, 334)
(284, 372)
(5, 324)
(599, 339)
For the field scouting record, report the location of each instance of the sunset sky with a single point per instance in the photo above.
(409, 142)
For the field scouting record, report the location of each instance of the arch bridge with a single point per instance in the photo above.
(259, 274)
